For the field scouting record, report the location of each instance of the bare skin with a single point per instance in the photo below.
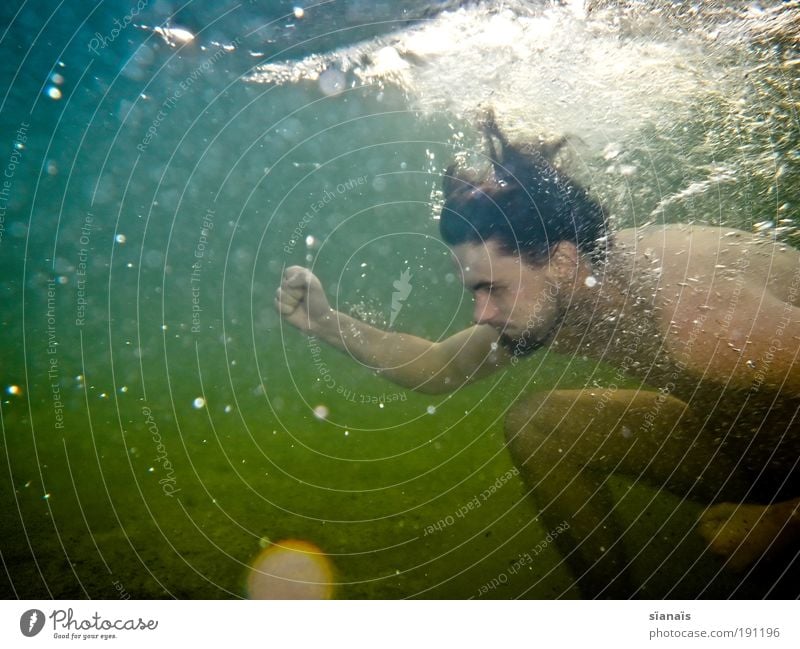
(705, 318)
(741, 532)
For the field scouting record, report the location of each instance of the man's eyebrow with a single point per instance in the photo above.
(484, 284)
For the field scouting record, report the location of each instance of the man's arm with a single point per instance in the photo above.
(410, 361)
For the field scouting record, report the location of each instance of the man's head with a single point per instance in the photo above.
(519, 234)
(524, 303)
(524, 203)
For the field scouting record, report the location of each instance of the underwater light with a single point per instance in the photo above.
(291, 569)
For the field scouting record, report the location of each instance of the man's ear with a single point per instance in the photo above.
(450, 180)
(564, 260)
(456, 179)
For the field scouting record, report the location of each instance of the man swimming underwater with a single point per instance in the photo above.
(705, 318)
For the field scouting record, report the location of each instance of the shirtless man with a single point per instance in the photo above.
(705, 319)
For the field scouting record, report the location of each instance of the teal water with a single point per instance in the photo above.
(158, 420)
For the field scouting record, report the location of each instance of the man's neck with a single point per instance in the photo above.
(596, 295)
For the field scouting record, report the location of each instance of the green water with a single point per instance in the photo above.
(158, 425)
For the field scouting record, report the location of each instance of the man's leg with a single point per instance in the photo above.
(742, 533)
(766, 441)
(566, 444)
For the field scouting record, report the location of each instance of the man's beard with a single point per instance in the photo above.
(524, 346)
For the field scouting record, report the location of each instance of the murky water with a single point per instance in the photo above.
(161, 425)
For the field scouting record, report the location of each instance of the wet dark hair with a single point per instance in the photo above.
(524, 203)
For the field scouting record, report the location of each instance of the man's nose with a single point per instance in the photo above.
(485, 309)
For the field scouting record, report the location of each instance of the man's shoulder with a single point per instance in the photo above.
(722, 293)
(709, 246)
(672, 234)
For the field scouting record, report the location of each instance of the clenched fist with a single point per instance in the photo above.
(300, 298)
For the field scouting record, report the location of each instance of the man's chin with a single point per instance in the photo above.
(521, 345)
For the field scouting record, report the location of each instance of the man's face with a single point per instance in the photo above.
(521, 301)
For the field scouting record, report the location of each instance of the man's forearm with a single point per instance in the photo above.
(410, 361)
(407, 360)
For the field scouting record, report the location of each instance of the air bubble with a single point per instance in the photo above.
(332, 82)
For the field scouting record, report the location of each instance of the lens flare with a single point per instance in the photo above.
(291, 569)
